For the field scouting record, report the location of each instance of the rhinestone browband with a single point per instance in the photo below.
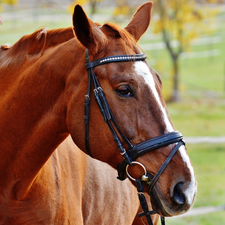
(118, 58)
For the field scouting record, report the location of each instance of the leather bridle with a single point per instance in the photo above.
(133, 151)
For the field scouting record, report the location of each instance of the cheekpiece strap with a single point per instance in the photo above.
(143, 202)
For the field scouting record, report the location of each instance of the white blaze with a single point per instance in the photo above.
(192, 189)
(142, 69)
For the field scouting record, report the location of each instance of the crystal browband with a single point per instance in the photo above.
(118, 58)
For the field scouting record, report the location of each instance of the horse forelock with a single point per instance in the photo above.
(115, 31)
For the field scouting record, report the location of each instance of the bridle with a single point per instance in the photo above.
(133, 151)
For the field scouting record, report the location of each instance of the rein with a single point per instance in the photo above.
(133, 152)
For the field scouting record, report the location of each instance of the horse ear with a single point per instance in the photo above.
(87, 32)
(140, 21)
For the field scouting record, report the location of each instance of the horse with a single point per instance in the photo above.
(96, 172)
(41, 104)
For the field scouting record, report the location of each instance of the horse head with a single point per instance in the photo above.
(133, 91)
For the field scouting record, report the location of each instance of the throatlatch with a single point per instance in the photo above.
(133, 152)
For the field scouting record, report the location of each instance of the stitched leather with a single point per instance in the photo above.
(147, 146)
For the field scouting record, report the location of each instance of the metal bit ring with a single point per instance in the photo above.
(140, 164)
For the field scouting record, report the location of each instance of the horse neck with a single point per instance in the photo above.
(39, 40)
(34, 112)
(26, 51)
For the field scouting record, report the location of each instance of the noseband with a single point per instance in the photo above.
(133, 151)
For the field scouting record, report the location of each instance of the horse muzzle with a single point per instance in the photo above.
(177, 201)
(181, 195)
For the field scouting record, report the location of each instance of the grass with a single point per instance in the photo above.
(209, 163)
(194, 118)
(207, 219)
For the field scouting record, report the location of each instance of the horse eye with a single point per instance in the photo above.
(124, 91)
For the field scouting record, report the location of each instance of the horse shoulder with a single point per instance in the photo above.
(55, 196)
(68, 169)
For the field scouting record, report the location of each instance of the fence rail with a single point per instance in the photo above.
(201, 140)
(203, 210)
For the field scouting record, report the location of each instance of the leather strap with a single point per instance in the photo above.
(86, 107)
(163, 167)
(143, 202)
(147, 146)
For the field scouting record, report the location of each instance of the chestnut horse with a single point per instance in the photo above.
(122, 205)
(100, 178)
(42, 103)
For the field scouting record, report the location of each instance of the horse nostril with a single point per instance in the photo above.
(178, 196)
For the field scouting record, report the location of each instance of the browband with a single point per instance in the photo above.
(118, 58)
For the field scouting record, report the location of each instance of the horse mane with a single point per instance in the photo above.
(54, 37)
(37, 42)
(42, 39)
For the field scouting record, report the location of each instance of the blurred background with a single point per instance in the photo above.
(186, 46)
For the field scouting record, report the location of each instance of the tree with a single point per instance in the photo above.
(124, 9)
(181, 20)
(9, 2)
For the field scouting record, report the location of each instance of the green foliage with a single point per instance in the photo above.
(9, 2)
(122, 8)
